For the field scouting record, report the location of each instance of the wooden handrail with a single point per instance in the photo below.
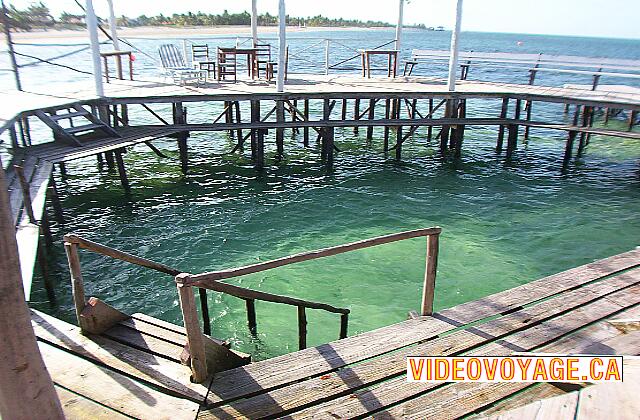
(202, 280)
(250, 294)
(119, 255)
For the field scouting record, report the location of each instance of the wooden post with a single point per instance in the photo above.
(459, 137)
(430, 128)
(108, 156)
(279, 129)
(180, 117)
(387, 115)
(204, 309)
(356, 114)
(571, 138)
(259, 164)
(512, 139)
(372, 113)
(528, 106)
(344, 325)
(122, 171)
(255, 118)
(344, 109)
(77, 284)
(586, 117)
(302, 328)
(238, 121)
(327, 135)
(195, 340)
(632, 119)
(503, 115)
(251, 316)
(306, 118)
(27, 389)
(431, 268)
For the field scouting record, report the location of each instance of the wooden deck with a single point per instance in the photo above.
(135, 371)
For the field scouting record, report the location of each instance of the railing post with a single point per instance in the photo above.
(195, 340)
(204, 309)
(344, 324)
(430, 274)
(302, 328)
(251, 316)
(77, 285)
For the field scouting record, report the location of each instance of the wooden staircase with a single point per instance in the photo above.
(75, 124)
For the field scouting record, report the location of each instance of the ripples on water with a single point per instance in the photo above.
(504, 224)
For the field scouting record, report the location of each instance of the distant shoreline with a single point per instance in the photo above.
(186, 31)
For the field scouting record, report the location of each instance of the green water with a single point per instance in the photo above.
(504, 224)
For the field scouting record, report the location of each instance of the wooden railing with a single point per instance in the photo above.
(73, 242)
(211, 280)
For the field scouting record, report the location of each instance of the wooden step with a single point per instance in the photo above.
(81, 128)
(57, 117)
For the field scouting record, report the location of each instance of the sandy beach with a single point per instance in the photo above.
(174, 32)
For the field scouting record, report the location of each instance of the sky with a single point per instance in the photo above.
(611, 18)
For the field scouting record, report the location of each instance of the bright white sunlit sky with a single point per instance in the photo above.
(611, 18)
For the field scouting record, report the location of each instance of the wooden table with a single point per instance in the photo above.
(366, 61)
(251, 54)
(118, 55)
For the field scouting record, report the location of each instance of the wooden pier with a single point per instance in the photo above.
(83, 126)
(134, 369)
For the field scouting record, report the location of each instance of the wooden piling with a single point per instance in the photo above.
(306, 118)
(356, 113)
(122, 171)
(344, 109)
(512, 139)
(55, 200)
(459, 131)
(280, 131)
(527, 129)
(238, 120)
(503, 114)
(108, 156)
(255, 118)
(259, 161)
(430, 128)
(251, 316)
(586, 116)
(632, 119)
(571, 138)
(387, 115)
(372, 110)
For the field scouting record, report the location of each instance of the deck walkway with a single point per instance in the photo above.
(13, 102)
(362, 375)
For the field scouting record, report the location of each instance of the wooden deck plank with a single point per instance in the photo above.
(144, 342)
(349, 379)
(459, 399)
(263, 376)
(77, 407)
(558, 407)
(112, 389)
(171, 376)
(525, 397)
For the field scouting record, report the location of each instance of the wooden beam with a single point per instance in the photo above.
(302, 328)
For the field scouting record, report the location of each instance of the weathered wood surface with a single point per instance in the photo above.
(112, 389)
(317, 363)
(77, 407)
(142, 365)
(596, 402)
(372, 372)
